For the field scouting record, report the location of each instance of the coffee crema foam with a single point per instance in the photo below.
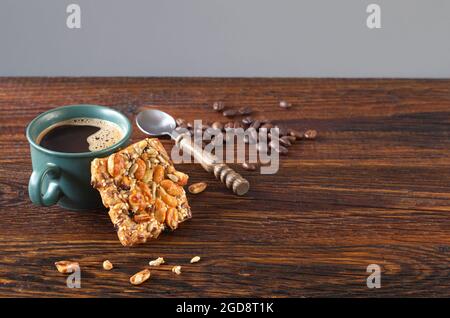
(108, 134)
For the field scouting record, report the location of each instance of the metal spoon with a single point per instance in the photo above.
(156, 123)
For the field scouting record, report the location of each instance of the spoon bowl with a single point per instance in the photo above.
(155, 122)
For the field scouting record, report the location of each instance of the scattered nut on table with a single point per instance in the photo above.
(197, 187)
(157, 262)
(195, 259)
(310, 134)
(66, 266)
(140, 277)
(285, 104)
(176, 269)
(107, 265)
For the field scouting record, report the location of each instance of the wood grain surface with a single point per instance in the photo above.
(373, 188)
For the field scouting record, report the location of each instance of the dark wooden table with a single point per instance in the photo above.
(374, 188)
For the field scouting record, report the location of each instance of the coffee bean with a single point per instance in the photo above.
(251, 136)
(283, 150)
(180, 121)
(296, 134)
(228, 125)
(206, 125)
(217, 125)
(217, 141)
(290, 138)
(310, 134)
(249, 166)
(262, 147)
(256, 124)
(281, 130)
(267, 126)
(247, 120)
(285, 104)
(201, 127)
(285, 141)
(209, 132)
(245, 110)
(179, 129)
(278, 148)
(198, 131)
(265, 120)
(183, 125)
(218, 106)
(230, 113)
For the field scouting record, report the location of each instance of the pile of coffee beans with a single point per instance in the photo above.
(286, 137)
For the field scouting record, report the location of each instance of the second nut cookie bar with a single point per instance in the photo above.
(143, 191)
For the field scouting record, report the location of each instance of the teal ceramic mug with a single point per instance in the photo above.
(64, 178)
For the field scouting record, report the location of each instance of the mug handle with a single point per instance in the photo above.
(52, 194)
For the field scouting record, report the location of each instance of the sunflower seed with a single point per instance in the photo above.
(133, 169)
(180, 122)
(285, 141)
(256, 124)
(296, 134)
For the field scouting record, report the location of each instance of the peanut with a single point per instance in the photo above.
(197, 187)
(172, 218)
(66, 266)
(160, 210)
(158, 174)
(171, 188)
(107, 265)
(160, 215)
(167, 198)
(182, 178)
(148, 176)
(140, 277)
(116, 164)
(140, 171)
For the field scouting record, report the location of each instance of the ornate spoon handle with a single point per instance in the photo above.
(233, 180)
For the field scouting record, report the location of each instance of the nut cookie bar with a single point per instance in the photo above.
(142, 189)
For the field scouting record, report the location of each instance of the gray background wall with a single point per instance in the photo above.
(293, 38)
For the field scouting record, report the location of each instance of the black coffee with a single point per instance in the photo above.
(80, 135)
